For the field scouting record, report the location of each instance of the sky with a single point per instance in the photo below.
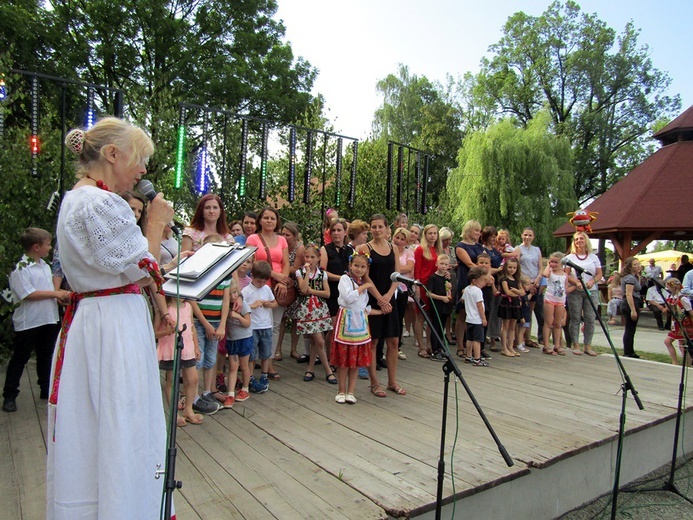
(355, 44)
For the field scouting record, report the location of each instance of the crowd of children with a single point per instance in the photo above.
(227, 336)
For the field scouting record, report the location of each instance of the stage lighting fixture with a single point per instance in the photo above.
(417, 180)
(352, 184)
(338, 173)
(309, 167)
(400, 170)
(90, 115)
(3, 97)
(292, 164)
(180, 149)
(34, 140)
(263, 162)
(424, 187)
(388, 187)
(243, 158)
(202, 171)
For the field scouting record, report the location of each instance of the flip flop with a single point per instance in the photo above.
(577, 352)
(590, 352)
(550, 352)
(377, 391)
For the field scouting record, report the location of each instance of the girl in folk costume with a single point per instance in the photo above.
(313, 315)
(682, 309)
(351, 348)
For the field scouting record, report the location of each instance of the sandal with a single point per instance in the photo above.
(294, 354)
(195, 419)
(181, 403)
(279, 357)
(309, 376)
(423, 353)
(397, 389)
(549, 351)
(274, 376)
(181, 422)
(331, 378)
(461, 353)
(559, 351)
(577, 352)
(377, 391)
(590, 352)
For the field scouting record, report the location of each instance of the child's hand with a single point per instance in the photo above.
(237, 304)
(209, 331)
(221, 332)
(198, 354)
(447, 299)
(484, 322)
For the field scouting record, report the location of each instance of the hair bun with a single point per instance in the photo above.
(75, 141)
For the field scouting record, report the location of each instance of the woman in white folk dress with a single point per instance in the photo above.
(107, 433)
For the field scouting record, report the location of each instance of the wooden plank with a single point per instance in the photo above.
(9, 476)
(28, 450)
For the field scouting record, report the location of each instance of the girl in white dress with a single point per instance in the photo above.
(107, 433)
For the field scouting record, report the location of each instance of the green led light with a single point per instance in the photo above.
(180, 156)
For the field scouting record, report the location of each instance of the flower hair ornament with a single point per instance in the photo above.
(75, 141)
(362, 254)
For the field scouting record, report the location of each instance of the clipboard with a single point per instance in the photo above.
(197, 289)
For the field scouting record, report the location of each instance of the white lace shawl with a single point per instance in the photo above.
(99, 240)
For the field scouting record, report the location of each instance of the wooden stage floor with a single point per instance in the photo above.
(294, 453)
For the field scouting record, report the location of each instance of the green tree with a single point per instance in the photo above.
(601, 89)
(514, 177)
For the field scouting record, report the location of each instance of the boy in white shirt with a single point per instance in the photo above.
(35, 321)
(260, 298)
(476, 317)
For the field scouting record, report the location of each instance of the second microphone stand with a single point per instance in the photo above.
(626, 386)
(450, 366)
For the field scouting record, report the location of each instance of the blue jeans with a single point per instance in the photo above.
(208, 347)
(263, 344)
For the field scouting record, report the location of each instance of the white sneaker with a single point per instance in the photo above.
(401, 355)
(340, 398)
(405, 334)
(521, 347)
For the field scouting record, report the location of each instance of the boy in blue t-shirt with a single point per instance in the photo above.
(35, 321)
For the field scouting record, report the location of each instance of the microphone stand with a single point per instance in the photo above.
(626, 385)
(451, 366)
(170, 482)
(688, 351)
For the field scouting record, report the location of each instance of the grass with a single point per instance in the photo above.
(650, 356)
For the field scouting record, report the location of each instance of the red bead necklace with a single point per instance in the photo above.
(99, 184)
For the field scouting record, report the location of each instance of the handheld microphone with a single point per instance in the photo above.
(396, 277)
(565, 261)
(146, 188)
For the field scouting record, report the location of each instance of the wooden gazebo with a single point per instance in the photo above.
(652, 202)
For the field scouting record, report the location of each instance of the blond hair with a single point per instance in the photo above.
(470, 226)
(90, 145)
(424, 243)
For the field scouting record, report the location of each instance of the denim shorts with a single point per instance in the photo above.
(262, 347)
(208, 348)
(240, 347)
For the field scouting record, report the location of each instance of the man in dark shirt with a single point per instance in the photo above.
(683, 268)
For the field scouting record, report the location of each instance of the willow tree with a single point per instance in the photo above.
(512, 177)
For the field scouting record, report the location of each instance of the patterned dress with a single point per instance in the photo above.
(313, 315)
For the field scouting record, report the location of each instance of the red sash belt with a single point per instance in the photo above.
(75, 298)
